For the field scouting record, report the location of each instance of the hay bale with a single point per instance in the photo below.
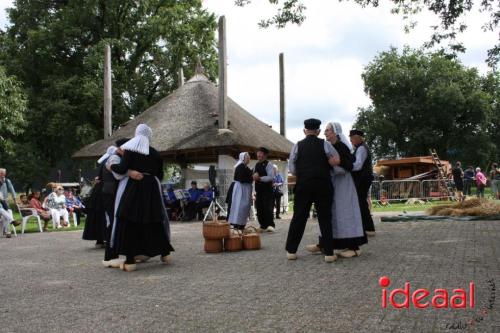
(474, 202)
(473, 207)
(435, 210)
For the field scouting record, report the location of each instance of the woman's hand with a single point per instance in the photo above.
(334, 160)
(135, 175)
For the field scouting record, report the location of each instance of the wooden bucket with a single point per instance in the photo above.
(234, 242)
(213, 245)
(251, 239)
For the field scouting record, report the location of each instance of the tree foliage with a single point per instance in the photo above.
(422, 101)
(12, 112)
(451, 14)
(55, 48)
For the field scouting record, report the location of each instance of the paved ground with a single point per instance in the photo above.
(54, 282)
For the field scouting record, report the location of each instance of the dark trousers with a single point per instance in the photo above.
(264, 203)
(362, 188)
(467, 187)
(321, 194)
(78, 213)
(199, 208)
(277, 203)
(190, 211)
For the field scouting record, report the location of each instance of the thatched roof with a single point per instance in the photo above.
(185, 128)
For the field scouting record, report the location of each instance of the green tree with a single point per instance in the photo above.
(12, 113)
(491, 85)
(422, 101)
(450, 13)
(55, 48)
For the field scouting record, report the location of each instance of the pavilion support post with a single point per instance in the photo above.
(225, 173)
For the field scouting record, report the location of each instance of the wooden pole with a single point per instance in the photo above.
(222, 74)
(282, 95)
(107, 92)
(180, 79)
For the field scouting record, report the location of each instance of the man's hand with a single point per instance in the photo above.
(256, 177)
(135, 175)
(334, 160)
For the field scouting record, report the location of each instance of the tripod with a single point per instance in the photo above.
(214, 205)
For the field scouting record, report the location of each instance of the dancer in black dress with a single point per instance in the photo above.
(143, 227)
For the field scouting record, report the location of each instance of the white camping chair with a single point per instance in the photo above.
(75, 221)
(26, 214)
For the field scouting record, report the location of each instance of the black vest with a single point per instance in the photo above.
(312, 162)
(260, 168)
(366, 171)
(109, 182)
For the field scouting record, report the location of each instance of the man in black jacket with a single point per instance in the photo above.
(264, 198)
(310, 161)
(362, 174)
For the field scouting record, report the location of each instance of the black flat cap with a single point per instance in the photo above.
(312, 124)
(356, 132)
(264, 150)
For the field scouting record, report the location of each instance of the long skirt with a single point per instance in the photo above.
(347, 225)
(95, 224)
(142, 226)
(241, 203)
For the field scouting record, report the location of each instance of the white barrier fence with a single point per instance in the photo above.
(403, 190)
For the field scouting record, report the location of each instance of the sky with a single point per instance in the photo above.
(324, 57)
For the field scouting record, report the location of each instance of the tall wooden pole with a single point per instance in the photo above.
(222, 74)
(180, 79)
(282, 95)
(107, 92)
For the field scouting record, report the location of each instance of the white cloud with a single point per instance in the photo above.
(324, 57)
(3, 15)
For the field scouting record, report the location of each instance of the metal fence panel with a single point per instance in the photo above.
(395, 190)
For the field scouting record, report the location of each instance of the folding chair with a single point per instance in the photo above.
(75, 220)
(26, 214)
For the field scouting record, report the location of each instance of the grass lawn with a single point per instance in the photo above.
(402, 207)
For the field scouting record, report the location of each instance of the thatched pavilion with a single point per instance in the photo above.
(186, 131)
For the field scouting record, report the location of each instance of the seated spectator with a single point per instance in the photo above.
(24, 201)
(73, 204)
(56, 202)
(206, 197)
(191, 205)
(42, 212)
(171, 202)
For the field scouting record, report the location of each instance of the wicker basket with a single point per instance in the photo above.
(234, 242)
(251, 239)
(215, 230)
(213, 245)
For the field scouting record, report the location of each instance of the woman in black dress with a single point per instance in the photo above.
(144, 227)
(95, 224)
